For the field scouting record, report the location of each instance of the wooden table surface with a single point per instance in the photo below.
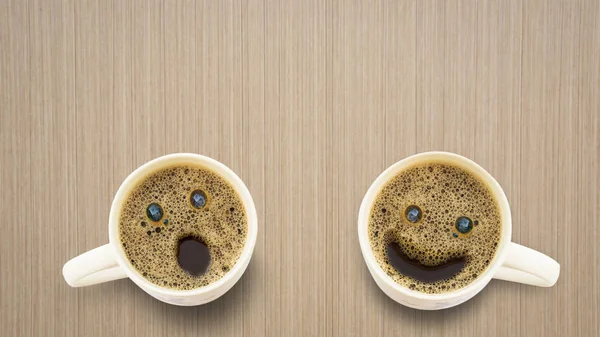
(308, 101)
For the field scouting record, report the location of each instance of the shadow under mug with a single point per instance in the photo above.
(108, 262)
(512, 261)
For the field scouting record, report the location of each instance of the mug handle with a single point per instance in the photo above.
(528, 266)
(98, 265)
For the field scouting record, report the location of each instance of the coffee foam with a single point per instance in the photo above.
(151, 247)
(444, 193)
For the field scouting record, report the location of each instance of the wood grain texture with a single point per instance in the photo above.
(308, 101)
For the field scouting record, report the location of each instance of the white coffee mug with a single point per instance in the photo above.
(108, 262)
(512, 261)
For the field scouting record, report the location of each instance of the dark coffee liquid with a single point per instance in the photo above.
(413, 268)
(193, 255)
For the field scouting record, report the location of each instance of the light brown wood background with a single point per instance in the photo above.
(308, 101)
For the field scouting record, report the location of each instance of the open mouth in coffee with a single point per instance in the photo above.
(420, 272)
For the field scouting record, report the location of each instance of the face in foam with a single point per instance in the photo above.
(183, 227)
(434, 227)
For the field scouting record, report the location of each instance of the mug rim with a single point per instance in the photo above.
(164, 161)
(392, 171)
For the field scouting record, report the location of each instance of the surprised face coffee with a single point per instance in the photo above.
(183, 227)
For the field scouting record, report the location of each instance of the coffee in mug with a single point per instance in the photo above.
(434, 227)
(183, 227)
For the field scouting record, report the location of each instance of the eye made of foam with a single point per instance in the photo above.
(198, 199)
(413, 214)
(463, 224)
(154, 212)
